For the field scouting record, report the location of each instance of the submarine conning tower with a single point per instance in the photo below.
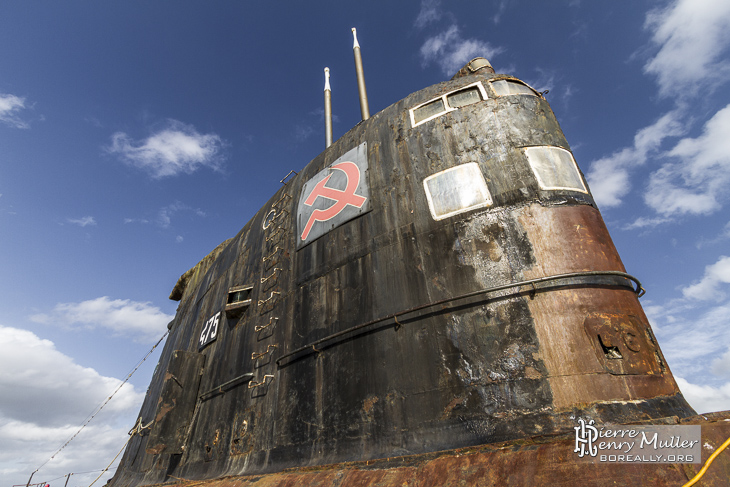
(439, 277)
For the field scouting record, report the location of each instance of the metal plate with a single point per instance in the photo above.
(334, 196)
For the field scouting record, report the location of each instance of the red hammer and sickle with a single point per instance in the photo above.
(341, 198)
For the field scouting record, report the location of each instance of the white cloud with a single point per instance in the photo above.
(44, 398)
(705, 399)
(40, 385)
(695, 339)
(500, 10)
(164, 216)
(692, 36)
(82, 222)
(176, 149)
(10, 105)
(708, 288)
(142, 321)
(136, 220)
(692, 335)
(721, 366)
(724, 234)
(696, 180)
(609, 177)
(451, 52)
(25, 447)
(430, 12)
(643, 222)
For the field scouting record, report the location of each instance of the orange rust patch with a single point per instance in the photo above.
(573, 239)
(457, 401)
(368, 404)
(523, 463)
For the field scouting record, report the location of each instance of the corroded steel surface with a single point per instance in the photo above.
(538, 461)
(510, 365)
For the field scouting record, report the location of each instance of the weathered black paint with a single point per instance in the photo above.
(478, 372)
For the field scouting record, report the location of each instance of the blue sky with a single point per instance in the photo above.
(136, 136)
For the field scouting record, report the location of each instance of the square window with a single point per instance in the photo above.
(239, 298)
(456, 190)
(555, 168)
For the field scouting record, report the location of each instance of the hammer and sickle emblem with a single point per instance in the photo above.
(341, 198)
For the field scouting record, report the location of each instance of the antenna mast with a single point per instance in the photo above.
(327, 109)
(364, 109)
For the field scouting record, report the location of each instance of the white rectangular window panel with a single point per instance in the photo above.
(429, 110)
(507, 87)
(456, 190)
(464, 98)
(448, 102)
(555, 168)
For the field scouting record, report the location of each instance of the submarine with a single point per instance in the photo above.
(432, 300)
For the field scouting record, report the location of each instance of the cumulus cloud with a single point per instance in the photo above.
(692, 37)
(10, 106)
(42, 386)
(708, 288)
(44, 398)
(82, 222)
(609, 177)
(721, 366)
(450, 51)
(26, 446)
(705, 399)
(695, 338)
(142, 321)
(696, 180)
(691, 335)
(178, 148)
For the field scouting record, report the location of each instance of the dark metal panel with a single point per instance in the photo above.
(176, 404)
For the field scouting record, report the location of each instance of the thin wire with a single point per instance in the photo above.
(92, 471)
(62, 476)
(98, 410)
(137, 430)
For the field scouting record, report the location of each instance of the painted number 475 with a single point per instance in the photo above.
(210, 330)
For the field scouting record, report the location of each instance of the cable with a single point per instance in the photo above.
(98, 410)
(707, 464)
(134, 431)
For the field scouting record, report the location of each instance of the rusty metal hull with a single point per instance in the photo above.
(530, 462)
(396, 331)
